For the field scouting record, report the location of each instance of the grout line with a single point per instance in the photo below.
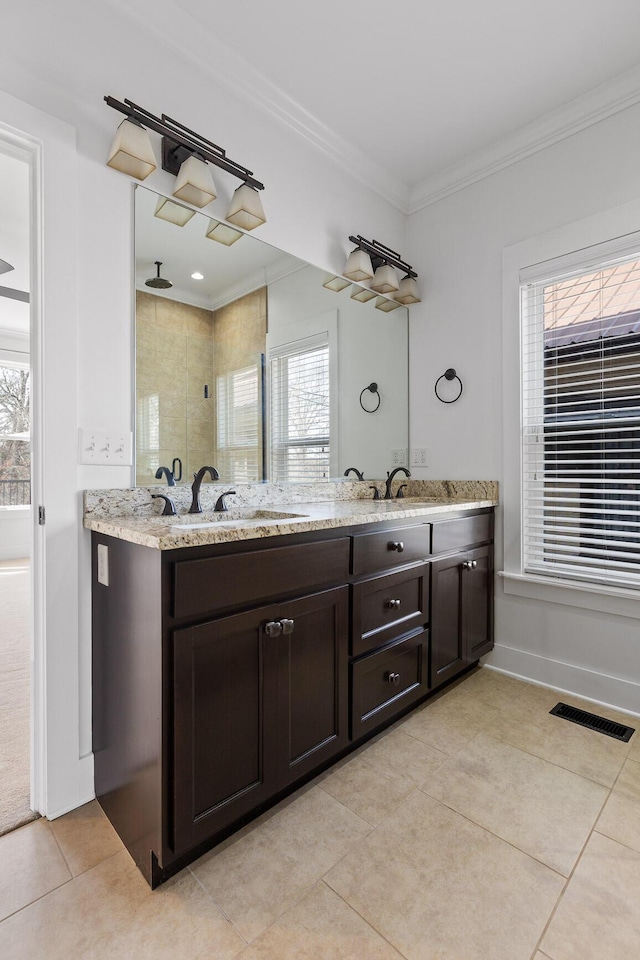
(371, 926)
(217, 905)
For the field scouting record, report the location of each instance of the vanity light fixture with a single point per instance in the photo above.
(221, 233)
(370, 256)
(386, 305)
(362, 294)
(187, 155)
(173, 212)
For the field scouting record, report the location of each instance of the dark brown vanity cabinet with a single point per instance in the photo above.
(461, 596)
(225, 675)
(260, 699)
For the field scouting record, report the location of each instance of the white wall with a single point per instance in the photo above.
(63, 58)
(458, 246)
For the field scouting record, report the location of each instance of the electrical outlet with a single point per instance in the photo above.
(419, 457)
(103, 564)
(399, 457)
(102, 448)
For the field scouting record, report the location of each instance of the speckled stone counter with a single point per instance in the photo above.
(258, 511)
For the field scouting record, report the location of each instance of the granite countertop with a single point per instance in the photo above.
(251, 523)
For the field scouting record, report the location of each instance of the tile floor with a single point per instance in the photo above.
(478, 827)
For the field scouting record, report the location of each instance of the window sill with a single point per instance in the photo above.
(616, 600)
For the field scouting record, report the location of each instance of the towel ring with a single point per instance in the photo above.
(373, 388)
(449, 374)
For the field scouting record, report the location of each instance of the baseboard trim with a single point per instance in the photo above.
(614, 692)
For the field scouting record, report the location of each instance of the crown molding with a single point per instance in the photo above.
(590, 108)
(241, 79)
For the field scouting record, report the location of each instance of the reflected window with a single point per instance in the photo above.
(238, 454)
(300, 410)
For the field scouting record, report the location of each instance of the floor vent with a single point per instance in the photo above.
(593, 722)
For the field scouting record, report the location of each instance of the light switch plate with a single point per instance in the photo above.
(419, 457)
(102, 448)
(399, 457)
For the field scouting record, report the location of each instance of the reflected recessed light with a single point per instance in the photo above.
(197, 275)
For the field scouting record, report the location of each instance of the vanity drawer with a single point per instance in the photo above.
(453, 534)
(392, 548)
(388, 605)
(241, 579)
(385, 682)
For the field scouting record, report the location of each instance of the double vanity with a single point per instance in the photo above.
(236, 654)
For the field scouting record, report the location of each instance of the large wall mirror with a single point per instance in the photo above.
(247, 362)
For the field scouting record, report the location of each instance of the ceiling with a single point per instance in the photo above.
(14, 240)
(415, 88)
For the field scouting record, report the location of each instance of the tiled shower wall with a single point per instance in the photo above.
(179, 350)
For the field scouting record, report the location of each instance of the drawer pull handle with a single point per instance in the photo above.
(393, 604)
(273, 628)
(287, 626)
(396, 545)
(470, 564)
(393, 679)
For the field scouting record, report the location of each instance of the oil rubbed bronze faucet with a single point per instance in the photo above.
(387, 493)
(195, 487)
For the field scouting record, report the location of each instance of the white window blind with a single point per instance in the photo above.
(581, 423)
(300, 411)
(238, 411)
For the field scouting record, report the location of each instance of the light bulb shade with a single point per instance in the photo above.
(173, 212)
(362, 294)
(246, 209)
(408, 291)
(382, 303)
(194, 182)
(385, 279)
(359, 266)
(131, 151)
(222, 233)
(336, 284)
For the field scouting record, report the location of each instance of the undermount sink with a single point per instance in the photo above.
(198, 521)
(409, 502)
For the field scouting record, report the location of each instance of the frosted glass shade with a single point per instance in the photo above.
(386, 305)
(336, 284)
(408, 291)
(385, 279)
(359, 266)
(362, 294)
(173, 212)
(221, 233)
(194, 183)
(246, 209)
(131, 151)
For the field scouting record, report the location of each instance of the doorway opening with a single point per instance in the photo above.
(16, 521)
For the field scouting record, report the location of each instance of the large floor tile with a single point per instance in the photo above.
(449, 722)
(540, 808)
(321, 926)
(526, 723)
(620, 819)
(374, 782)
(110, 913)
(30, 866)
(598, 917)
(271, 866)
(439, 887)
(85, 837)
(489, 686)
(634, 753)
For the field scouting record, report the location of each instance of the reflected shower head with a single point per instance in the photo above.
(158, 282)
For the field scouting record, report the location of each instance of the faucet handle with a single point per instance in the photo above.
(400, 494)
(376, 493)
(169, 505)
(220, 504)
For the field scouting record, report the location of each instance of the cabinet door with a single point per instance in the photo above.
(447, 647)
(313, 682)
(477, 584)
(225, 695)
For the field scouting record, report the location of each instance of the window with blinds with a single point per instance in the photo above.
(238, 452)
(581, 423)
(300, 411)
